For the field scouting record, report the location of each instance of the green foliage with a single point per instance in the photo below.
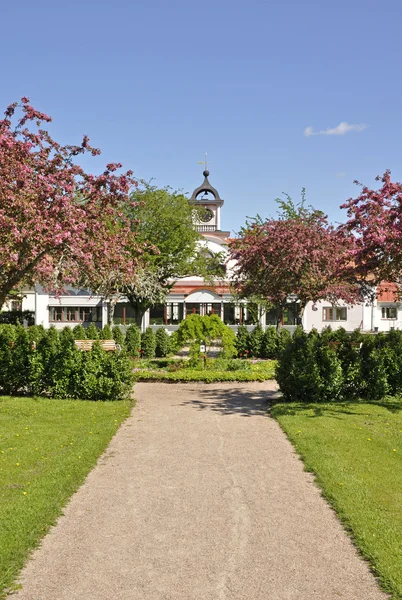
(55, 367)
(269, 347)
(106, 333)
(148, 343)
(162, 341)
(228, 343)
(334, 365)
(256, 339)
(203, 330)
(79, 333)
(92, 332)
(12, 317)
(242, 341)
(284, 337)
(175, 344)
(203, 375)
(133, 341)
(118, 336)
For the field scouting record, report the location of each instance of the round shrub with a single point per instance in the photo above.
(79, 333)
(162, 341)
(148, 343)
(242, 341)
(256, 339)
(92, 332)
(106, 333)
(119, 336)
(269, 347)
(133, 341)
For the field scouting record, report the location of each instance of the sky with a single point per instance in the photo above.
(282, 95)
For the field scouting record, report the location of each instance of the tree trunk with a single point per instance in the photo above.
(279, 318)
(140, 309)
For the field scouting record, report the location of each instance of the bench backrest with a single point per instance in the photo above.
(108, 345)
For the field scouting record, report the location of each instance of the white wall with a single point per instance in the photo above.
(313, 319)
(42, 310)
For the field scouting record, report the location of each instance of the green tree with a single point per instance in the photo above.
(164, 223)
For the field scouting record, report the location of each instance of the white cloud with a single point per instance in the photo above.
(340, 174)
(341, 129)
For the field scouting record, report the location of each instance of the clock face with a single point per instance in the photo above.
(206, 215)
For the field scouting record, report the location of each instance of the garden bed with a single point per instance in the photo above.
(209, 371)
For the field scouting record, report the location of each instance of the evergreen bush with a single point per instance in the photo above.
(106, 333)
(118, 336)
(148, 343)
(242, 342)
(92, 332)
(133, 341)
(162, 343)
(79, 333)
(55, 367)
(269, 347)
(256, 340)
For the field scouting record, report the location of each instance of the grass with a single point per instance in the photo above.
(215, 370)
(355, 452)
(47, 447)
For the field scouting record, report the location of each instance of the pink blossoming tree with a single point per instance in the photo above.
(297, 254)
(58, 224)
(375, 218)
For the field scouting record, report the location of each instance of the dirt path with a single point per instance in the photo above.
(199, 497)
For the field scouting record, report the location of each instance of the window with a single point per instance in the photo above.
(334, 313)
(75, 314)
(16, 305)
(389, 312)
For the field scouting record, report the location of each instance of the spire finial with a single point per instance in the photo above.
(205, 163)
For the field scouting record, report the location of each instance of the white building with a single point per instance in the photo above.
(191, 295)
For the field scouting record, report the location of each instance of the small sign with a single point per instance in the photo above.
(202, 348)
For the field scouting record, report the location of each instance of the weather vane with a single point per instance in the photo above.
(204, 162)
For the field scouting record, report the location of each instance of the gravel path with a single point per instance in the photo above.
(199, 497)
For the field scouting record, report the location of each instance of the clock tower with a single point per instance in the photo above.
(208, 205)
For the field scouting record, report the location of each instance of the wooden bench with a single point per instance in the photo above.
(108, 345)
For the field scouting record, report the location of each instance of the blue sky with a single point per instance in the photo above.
(156, 84)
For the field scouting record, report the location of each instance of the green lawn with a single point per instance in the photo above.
(216, 369)
(47, 447)
(355, 451)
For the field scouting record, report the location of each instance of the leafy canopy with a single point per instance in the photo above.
(298, 253)
(59, 224)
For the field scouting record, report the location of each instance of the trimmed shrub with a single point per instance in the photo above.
(284, 337)
(256, 339)
(148, 343)
(92, 332)
(13, 317)
(79, 333)
(57, 368)
(106, 333)
(229, 349)
(133, 341)
(242, 342)
(118, 336)
(269, 346)
(162, 343)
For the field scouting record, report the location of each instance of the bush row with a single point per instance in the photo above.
(148, 344)
(36, 361)
(333, 365)
(260, 344)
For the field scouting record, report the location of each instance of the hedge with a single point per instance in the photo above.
(335, 366)
(36, 361)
